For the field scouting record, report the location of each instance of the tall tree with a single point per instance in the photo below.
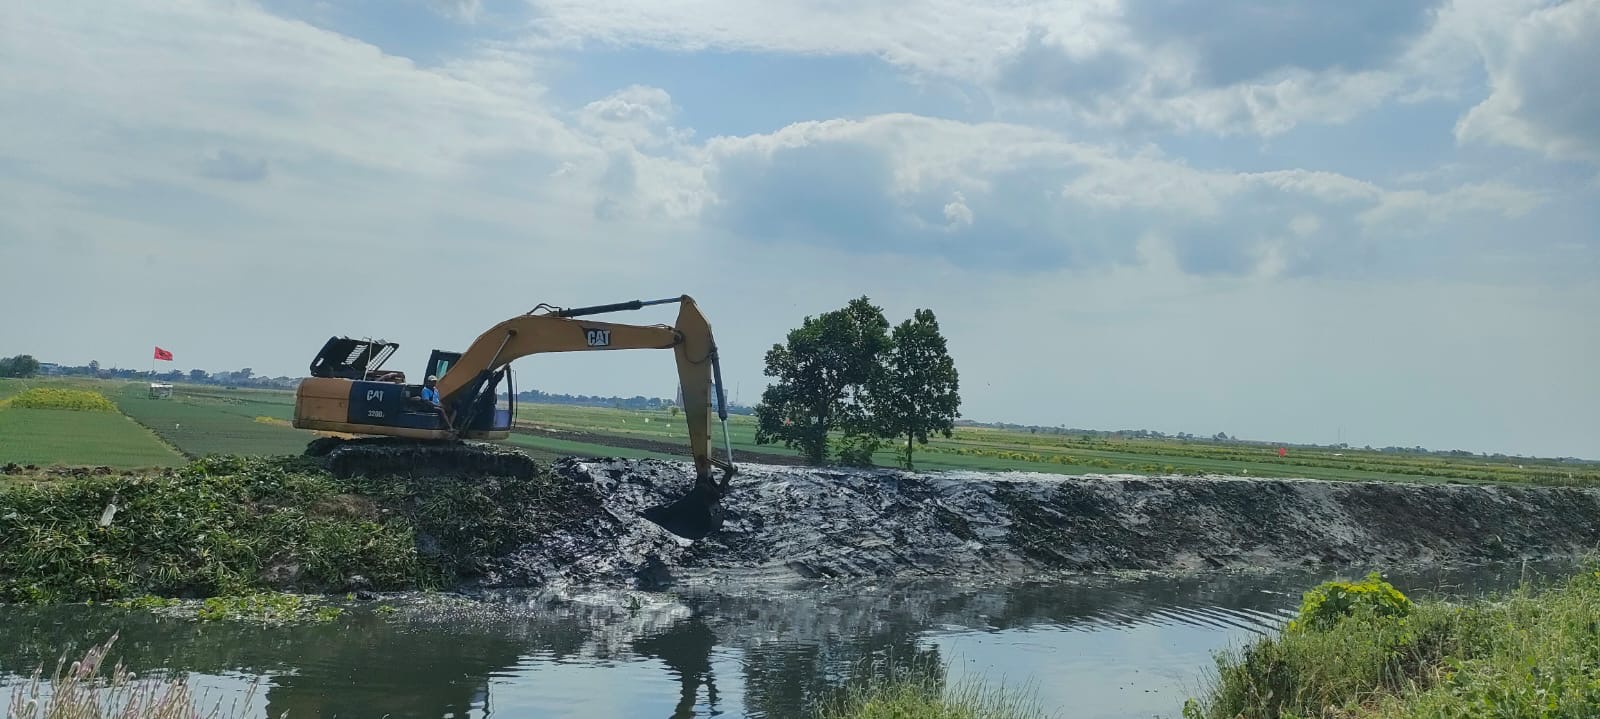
(918, 393)
(823, 374)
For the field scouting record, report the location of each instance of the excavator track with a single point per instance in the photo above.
(395, 456)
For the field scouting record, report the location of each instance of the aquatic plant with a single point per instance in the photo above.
(265, 607)
(1525, 653)
(77, 691)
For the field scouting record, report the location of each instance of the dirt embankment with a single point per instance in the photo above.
(651, 445)
(789, 523)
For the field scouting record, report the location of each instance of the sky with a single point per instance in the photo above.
(1372, 221)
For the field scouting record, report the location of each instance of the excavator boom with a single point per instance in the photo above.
(467, 389)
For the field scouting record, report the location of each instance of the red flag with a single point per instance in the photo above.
(1282, 451)
(162, 354)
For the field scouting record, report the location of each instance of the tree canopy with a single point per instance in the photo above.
(823, 373)
(844, 373)
(917, 394)
(18, 366)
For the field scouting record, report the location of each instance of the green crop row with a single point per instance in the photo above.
(198, 428)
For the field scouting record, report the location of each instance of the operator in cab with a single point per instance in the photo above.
(430, 393)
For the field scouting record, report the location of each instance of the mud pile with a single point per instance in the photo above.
(792, 523)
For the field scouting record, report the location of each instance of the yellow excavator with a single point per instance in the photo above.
(379, 424)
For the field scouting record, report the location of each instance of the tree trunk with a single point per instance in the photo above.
(909, 468)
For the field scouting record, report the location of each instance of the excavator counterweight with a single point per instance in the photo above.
(375, 423)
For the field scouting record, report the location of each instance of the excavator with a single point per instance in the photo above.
(375, 423)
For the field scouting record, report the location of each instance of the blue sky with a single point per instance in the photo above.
(1372, 221)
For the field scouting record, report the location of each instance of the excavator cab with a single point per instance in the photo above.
(350, 392)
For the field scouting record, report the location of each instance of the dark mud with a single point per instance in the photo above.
(795, 524)
(653, 445)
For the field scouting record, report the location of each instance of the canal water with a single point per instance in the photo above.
(1092, 648)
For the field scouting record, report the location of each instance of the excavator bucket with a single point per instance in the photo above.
(692, 516)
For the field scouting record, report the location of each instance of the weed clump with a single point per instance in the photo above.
(58, 398)
(924, 692)
(219, 526)
(265, 607)
(1331, 602)
(1523, 654)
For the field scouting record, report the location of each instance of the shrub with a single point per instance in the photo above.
(1330, 602)
(56, 398)
(856, 451)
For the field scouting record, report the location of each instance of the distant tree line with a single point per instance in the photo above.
(236, 378)
(637, 402)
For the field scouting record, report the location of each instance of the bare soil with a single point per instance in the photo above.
(653, 445)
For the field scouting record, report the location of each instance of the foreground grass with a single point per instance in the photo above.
(924, 694)
(77, 690)
(1529, 654)
(227, 526)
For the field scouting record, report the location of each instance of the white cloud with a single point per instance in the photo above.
(1541, 85)
(635, 115)
(467, 175)
(956, 212)
(467, 10)
(1037, 200)
(1394, 209)
(1247, 67)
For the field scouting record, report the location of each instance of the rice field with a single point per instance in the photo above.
(201, 422)
(71, 437)
(202, 419)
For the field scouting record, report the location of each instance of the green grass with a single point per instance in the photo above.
(203, 419)
(9, 386)
(78, 438)
(206, 424)
(922, 690)
(990, 449)
(1530, 653)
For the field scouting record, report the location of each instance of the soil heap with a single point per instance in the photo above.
(793, 523)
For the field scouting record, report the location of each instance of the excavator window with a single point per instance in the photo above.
(350, 358)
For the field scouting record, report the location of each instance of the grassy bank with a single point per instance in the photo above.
(1361, 650)
(230, 526)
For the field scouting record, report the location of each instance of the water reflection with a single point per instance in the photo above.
(685, 647)
(1111, 647)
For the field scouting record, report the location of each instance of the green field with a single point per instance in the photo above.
(59, 436)
(977, 448)
(203, 419)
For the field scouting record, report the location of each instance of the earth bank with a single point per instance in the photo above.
(227, 525)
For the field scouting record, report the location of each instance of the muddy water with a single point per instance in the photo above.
(1098, 647)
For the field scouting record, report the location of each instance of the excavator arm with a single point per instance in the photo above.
(565, 330)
